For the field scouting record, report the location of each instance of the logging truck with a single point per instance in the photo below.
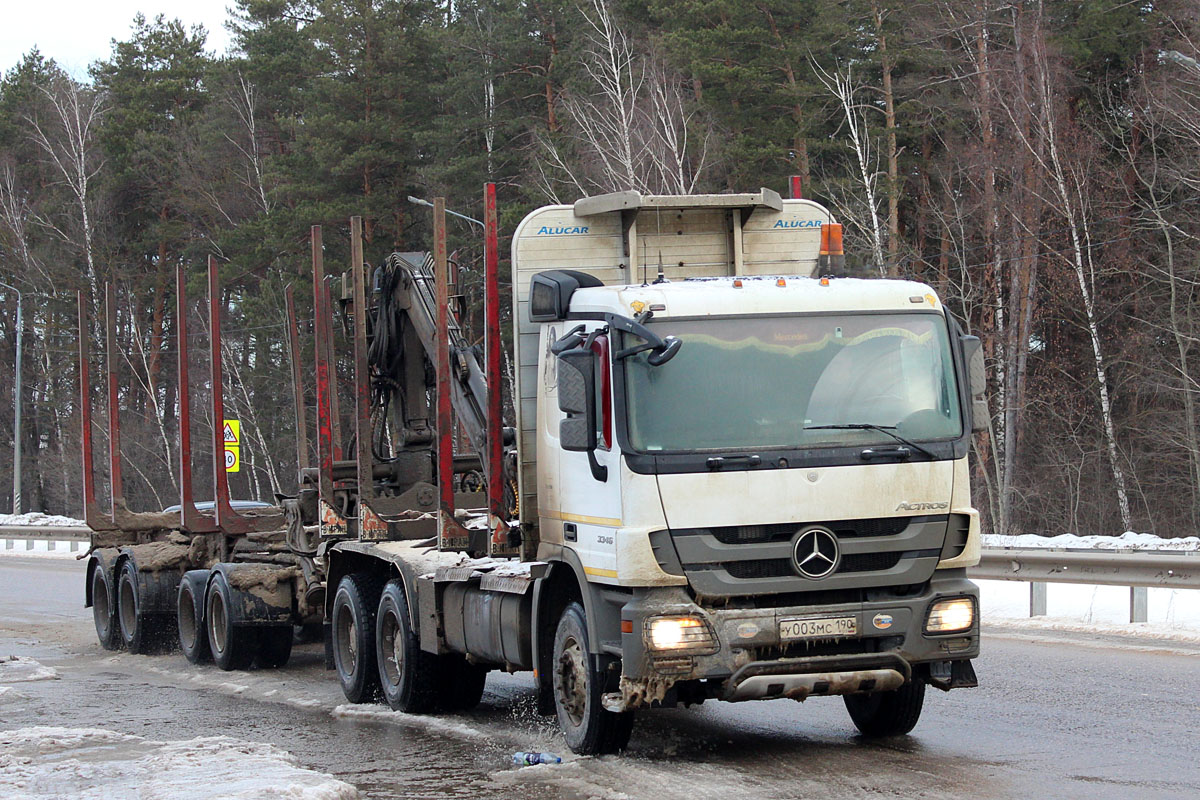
(731, 473)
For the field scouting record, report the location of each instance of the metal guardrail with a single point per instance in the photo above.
(38, 532)
(76, 537)
(1137, 569)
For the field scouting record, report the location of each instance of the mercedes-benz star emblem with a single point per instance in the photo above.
(816, 554)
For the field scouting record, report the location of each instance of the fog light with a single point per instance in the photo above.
(951, 616)
(678, 634)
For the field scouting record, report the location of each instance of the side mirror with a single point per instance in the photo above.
(577, 398)
(976, 382)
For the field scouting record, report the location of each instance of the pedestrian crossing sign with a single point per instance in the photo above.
(233, 432)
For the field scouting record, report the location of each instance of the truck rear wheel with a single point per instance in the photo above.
(893, 713)
(353, 620)
(578, 685)
(189, 606)
(104, 609)
(409, 676)
(142, 629)
(231, 645)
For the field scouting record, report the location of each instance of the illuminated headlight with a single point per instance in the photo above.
(954, 615)
(680, 634)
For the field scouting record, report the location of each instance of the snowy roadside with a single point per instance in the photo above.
(1070, 541)
(40, 763)
(1173, 614)
(37, 519)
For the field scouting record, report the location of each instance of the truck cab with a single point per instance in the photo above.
(758, 476)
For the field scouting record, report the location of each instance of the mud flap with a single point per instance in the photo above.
(947, 675)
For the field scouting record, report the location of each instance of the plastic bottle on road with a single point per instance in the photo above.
(529, 759)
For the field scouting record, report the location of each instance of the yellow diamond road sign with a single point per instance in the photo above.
(233, 459)
(233, 432)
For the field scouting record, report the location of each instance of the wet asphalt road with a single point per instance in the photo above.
(1064, 716)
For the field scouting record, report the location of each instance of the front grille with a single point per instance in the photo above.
(779, 567)
(782, 532)
(746, 560)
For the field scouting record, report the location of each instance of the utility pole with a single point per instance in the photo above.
(17, 407)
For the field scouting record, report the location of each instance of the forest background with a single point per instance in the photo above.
(1037, 162)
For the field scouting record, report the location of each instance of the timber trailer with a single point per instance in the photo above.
(735, 474)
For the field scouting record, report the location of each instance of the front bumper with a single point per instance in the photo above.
(751, 661)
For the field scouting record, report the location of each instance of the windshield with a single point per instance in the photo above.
(766, 382)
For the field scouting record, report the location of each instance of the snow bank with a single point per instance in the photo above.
(1126, 541)
(18, 669)
(429, 723)
(41, 763)
(42, 520)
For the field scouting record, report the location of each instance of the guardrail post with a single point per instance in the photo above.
(1037, 599)
(1139, 602)
(8, 544)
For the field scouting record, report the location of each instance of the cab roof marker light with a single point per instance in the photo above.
(780, 282)
(737, 283)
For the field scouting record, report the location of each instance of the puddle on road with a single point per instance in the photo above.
(383, 760)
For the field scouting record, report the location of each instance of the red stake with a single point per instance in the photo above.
(444, 412)
(495, 428)
(320, 322)
(190, 519)
(114, 404)
(796, 190)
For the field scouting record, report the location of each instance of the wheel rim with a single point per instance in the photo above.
(187, 620)
(101, 610)
(391, 647)
(346, 636)
(218, 624)
(127, 605)
(572, 681)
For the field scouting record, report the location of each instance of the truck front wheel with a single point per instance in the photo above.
(578, 685)
(893, 713)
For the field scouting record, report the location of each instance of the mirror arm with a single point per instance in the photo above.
(569, 341)
(599, 471)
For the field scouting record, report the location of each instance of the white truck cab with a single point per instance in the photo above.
(757, 470)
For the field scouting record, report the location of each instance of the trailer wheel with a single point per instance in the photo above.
(578, 684)
(274, 646)
(104, 610)
(460, 683)
(353, 620)
(231, 645)
(193, 638)
(409, 676)
(893, 713)
(139, 631)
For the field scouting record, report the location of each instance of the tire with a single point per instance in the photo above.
(274, 646)
(139, 630)
(893, 713)
(104, 608)
(460, 683)
(190, 617)
(578, 685)
(409, 677)
(232, 646)
(353, 620)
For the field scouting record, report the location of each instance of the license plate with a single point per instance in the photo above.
(823, 628)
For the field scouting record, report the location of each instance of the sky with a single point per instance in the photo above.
(77, 32)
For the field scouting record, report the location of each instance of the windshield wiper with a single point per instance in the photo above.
(889, 430)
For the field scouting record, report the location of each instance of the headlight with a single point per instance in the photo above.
(678, 634)
(951, 616)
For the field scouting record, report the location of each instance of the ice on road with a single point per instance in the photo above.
(48, 763)
(15, 669)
